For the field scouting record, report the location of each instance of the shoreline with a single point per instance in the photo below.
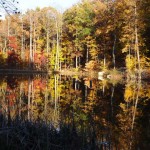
(17, 71)
(108, 74)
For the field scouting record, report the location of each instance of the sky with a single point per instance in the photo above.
(59, 4)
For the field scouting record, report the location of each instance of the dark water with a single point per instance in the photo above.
(70, 113)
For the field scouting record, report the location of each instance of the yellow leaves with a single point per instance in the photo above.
(130, 62)
(128, 94)
(38, 101)
(125, 49)
(99, 7)
(123, 106)
(40, 41)
(91, 65)
(127, 11)
(3, 85)
(144, 62)
(94, 52)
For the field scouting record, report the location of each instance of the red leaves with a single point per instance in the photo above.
(39, 84)
(40, 58)
(12, 42)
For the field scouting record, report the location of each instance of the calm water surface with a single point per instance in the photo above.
(86, 114)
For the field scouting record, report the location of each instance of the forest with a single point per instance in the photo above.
(53, 110)
(91, 35)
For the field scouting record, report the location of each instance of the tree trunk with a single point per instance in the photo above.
(22, 41)
(20, 99)
(29, 97)
(113, 52)
(136, 102)
(87, 55)
(76, 61)
(30, 57)
(137, 44)
(104, 61)
(57, 48)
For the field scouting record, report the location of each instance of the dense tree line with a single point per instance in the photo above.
(109, 34)
(93, 34)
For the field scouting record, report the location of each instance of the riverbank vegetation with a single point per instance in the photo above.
(91, 35)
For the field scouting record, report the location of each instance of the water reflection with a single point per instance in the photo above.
(81, 114)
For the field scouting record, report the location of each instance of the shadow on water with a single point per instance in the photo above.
(64, 113)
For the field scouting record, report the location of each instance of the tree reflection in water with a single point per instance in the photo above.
(60, 112)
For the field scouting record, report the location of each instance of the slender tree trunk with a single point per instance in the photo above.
(103, 89)
(87, 55)
(29, 97)
(60, 45)
(113, 52)
(22, 41)
(79, 60)
(45, 104)
(75, 84)
(55, 92)
(32, 98)
(8, 27)
(56, 100)
(137, 43)
(20, 98)
(57, 48)
(136, 102)
(30, 57)
(104, 61)
(34, 42)
(86, 92)
(76, 61)
(112, 95)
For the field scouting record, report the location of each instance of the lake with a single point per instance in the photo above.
(72, 113)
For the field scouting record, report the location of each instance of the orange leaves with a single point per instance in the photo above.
(39, 84)
(91, 65)
(12, 42)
